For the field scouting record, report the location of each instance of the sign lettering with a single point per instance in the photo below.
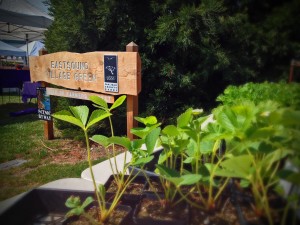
(77, 94)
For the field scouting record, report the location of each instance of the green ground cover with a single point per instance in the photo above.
(21, 137)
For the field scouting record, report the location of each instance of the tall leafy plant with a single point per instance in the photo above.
(186, 164)
(258, 141)
(79, 116)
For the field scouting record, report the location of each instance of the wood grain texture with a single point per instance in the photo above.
(86, 71)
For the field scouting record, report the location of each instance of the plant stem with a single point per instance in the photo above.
(91, 169)
(211, 177)
(114, 150)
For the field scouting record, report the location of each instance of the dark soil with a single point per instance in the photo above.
(115, 219)
(133, 188)
(152, 208)
(226, 215)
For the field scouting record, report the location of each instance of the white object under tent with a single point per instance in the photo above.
(33, 48)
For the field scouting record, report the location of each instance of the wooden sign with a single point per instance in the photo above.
(109, 73)
(78, 94)
(87, 71)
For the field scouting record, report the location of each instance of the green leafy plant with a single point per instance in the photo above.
(180, 167)
(78, 208)
(285, 94)
(259, 139)
(197, 146)
(195, 167)
(140, 155)
(79, 116)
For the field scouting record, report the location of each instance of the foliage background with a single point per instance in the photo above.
(191, 50)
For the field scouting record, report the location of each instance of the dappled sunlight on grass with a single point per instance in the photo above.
(22, 137)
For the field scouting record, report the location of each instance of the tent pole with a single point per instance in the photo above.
(27, 59)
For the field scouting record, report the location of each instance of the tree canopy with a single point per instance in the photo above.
(191, 50)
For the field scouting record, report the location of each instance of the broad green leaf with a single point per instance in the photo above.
(171, 131)
(190, 179)
(189, 160)
(192, 149)
(239, 165)
(245, 113)
(100, 139)
(140, 132)
(227, 119)
(206, 147)
(97, 115)
(244, 183)
(276, 156)
(143, 132)
(204, 172)
(175, 180)
(184, 119)
(75, 212)
(162, 157)
(87, 201)
(118, 102)
(73, 202)
(99, 101)
(151, 139)
(66, 116)
(81, 113)
(142, 161)
(167, 172)
(123, 141)
(192, 134)
(285, 117)
(266, 147)
(261, 133)
(137, 143)
(150, 120)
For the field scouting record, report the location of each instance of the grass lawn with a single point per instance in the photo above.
(22, 137)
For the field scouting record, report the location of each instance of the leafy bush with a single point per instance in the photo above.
(283, 93)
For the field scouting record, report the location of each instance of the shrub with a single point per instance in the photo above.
(285, 94)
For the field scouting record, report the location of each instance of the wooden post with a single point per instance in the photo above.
(48, 125)
(132, 101)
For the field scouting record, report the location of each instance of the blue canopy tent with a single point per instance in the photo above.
(23, 21)
(9, 50)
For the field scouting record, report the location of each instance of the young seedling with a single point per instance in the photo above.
(79, 116)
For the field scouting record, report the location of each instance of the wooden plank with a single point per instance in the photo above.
(78, 94)
(86, 71)
(132, 100)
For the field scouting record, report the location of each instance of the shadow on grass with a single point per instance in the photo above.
(8, 108)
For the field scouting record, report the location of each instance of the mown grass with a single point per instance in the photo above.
(21, 137)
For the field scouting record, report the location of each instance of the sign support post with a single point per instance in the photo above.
(132, 101)
(48, 125)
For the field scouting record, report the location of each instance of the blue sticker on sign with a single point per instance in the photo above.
(111, 73)
(44, 106)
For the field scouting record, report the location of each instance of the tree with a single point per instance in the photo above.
(191, 50)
